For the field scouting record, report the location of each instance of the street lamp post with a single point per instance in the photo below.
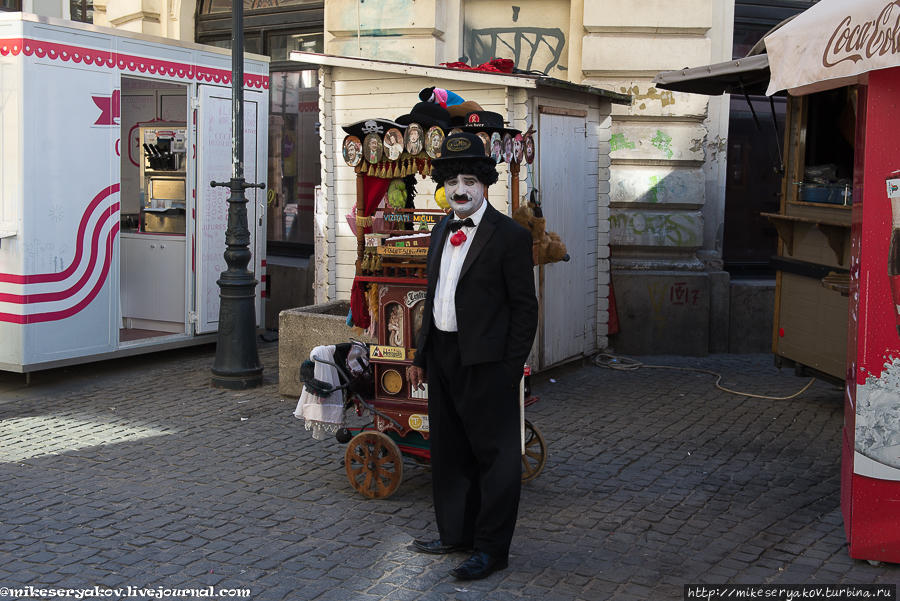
(237, 363)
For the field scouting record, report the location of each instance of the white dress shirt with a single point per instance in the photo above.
(444, 310)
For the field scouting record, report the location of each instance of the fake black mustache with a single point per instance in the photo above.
(461, 198)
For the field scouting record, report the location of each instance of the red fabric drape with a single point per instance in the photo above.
(613, 327)
(374, 189)
(359, 310)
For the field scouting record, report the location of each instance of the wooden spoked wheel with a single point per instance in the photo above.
(535, 452)
(374, 464)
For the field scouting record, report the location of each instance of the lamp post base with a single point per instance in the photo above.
(237, 365)
(237, 381)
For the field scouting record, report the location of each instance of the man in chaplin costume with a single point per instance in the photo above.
(478, 325)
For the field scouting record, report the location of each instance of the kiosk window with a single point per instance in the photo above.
(14, 5)
(830, 130)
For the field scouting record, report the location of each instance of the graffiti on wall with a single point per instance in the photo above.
(664, 295)
(655, 229)
(663, 142)
(527, 38)
(657, 185)
(530, 48)
(620, 142)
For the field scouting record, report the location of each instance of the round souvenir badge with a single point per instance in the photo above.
(486, 140)
(434, 137)
(414, 139)
(392, 381)
(507, 148)
(393, 143)
(352, 150)
(373, 148)
(529, 149)
(518, 149)
(496, 147)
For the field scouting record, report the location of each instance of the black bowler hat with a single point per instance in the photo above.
(426, 114)
(463, 146)
(487, 121)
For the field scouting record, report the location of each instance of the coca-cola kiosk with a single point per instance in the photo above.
(870, 482)
(832, 45)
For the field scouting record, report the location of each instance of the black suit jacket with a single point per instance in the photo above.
(496, 307)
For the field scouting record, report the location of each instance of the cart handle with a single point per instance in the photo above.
(323, 387)
(356, 398)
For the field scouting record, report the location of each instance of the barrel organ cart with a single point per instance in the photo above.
(392, 245)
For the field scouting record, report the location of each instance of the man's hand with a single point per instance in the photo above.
(415, 376)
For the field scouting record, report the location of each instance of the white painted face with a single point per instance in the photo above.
(465, 194)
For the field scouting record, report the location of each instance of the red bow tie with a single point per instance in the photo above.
(458, 238)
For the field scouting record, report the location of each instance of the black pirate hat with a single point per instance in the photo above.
(361, 129)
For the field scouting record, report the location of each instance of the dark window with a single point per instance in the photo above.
(14, 5)
(275, 28)
(752, 185)
(280, 46)
(754, 18)
(252, 43)
(753, 181)
(830, 134)
(260, 16)
(294, 167)
(209, 7)
(82, 10)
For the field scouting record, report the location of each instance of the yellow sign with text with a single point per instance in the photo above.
(388, 353)
(403, 251)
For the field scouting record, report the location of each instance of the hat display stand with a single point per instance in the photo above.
(405, 260)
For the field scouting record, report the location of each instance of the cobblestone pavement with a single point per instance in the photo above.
(136, 473)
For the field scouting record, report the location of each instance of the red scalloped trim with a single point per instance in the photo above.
(123, 62)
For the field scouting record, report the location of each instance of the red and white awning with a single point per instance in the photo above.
(833, 44)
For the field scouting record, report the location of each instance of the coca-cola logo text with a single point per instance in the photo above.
(853, 41)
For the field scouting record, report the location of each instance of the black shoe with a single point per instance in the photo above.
(479, 565)
(436, 547)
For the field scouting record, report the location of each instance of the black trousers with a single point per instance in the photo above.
(476, 459)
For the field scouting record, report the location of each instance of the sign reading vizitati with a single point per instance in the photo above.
(832, 44)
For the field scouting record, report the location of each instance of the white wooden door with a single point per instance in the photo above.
(568, 289)
(214, 163)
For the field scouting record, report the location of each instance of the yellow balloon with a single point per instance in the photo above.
(440, 197)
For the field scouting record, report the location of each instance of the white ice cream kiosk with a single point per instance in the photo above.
(111, 237)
